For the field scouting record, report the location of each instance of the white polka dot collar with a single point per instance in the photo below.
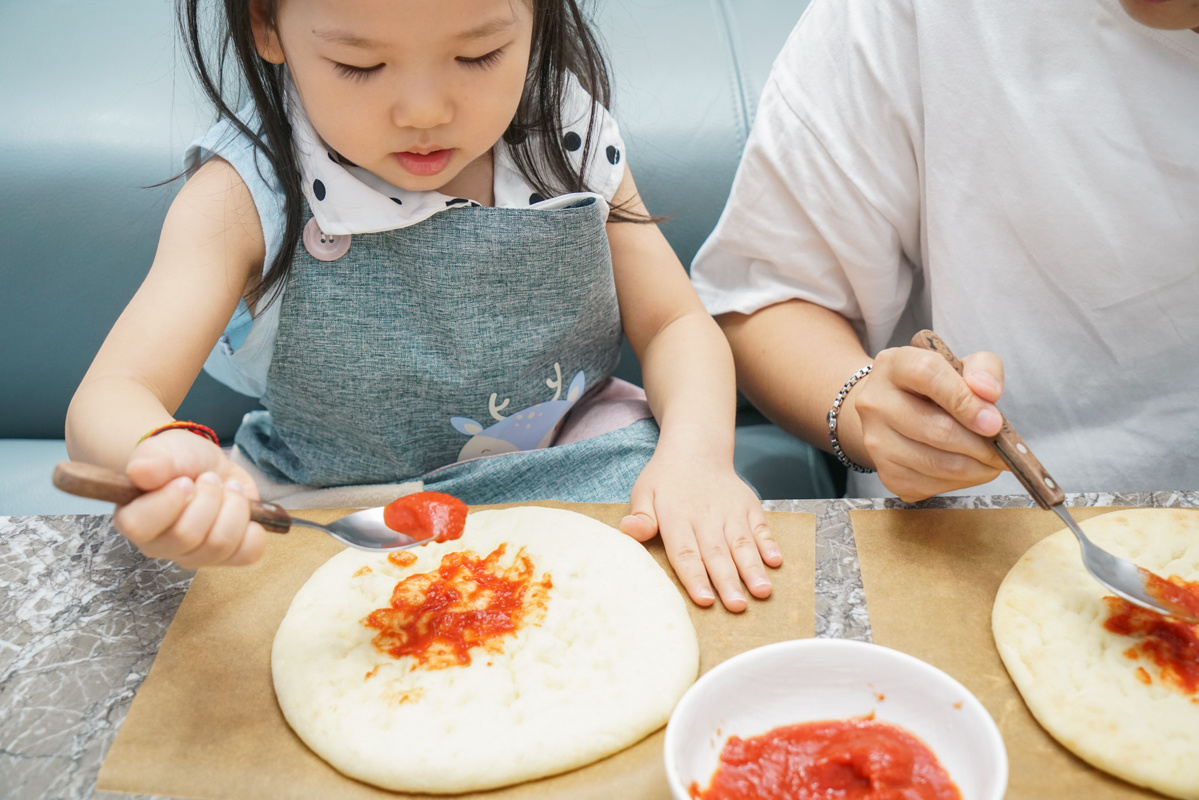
(346, 199)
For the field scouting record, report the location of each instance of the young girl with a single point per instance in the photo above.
(418, 243)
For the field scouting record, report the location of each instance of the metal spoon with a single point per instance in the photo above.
(1119, 576)
(362, 529)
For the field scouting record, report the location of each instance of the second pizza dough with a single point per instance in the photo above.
(1086, 685)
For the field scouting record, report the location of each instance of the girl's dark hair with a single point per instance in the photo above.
(562, 43)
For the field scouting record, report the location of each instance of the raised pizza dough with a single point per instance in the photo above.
(613, 654)
(1074, 674)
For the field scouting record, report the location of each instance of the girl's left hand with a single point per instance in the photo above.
(711, 523)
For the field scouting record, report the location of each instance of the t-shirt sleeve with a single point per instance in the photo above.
(825, 206)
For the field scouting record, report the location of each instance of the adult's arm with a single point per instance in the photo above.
(913, 419)
(815, 267)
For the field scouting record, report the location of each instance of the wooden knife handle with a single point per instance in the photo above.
(101, 483)
(1007, 443)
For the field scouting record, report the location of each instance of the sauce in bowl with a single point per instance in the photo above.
(853, 759)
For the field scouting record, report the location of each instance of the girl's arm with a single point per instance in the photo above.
(711, 523)
(195, 511)
(913, 418)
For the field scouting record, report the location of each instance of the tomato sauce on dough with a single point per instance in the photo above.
(401, 558)
(1174, 593)
(854, 759)
(1172, 645)
(437, 617)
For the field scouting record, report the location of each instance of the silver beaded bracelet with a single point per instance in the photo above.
(832, 419)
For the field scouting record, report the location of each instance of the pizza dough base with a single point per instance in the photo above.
(615, 652)
(1072, 672)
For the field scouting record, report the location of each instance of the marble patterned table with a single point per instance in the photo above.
(82, 614)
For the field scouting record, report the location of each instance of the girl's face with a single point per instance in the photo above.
(415, 91)
(1168, 14)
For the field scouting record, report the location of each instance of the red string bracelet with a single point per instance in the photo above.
(194, 427)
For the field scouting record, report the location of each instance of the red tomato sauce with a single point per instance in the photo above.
(854, 759)
(427, 515)
(1174, 593)
(437, 617)
(1172, 645)
(401, 558)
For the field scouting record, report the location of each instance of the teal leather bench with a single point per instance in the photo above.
(112, 110)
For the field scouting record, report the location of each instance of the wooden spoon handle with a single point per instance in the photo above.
(101, 483)
(1008, 444)
(98, 483)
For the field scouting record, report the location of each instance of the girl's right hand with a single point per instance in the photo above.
(195, 510)
(923, 425)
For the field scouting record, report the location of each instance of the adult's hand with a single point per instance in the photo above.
(923, 426)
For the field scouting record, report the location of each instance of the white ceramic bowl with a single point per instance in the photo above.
(816, 679)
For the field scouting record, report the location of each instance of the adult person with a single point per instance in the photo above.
(1022, 178)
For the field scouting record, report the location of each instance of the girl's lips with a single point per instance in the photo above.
(424, 164)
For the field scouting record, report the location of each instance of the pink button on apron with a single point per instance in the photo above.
(324, 246)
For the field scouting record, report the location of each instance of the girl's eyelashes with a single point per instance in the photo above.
(362, 73)
(483, 61)
(355, 73)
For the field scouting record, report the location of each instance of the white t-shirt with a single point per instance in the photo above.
(1020, 177)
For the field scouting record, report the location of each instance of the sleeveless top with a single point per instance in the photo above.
(461, 331)
(352, 200)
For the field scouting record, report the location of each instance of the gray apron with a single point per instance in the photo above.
(468, 335)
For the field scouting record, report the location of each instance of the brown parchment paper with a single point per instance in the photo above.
(930, 577)
(205, 723)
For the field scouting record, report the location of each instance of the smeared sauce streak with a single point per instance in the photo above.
(437, 617)
(1172, 645)
(1181, 597)
(854, 759)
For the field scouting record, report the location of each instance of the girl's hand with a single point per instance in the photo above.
(711, 523)
(923, 425)
(195, 510)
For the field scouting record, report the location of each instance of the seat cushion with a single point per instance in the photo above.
(26, 466)
(781, 467)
